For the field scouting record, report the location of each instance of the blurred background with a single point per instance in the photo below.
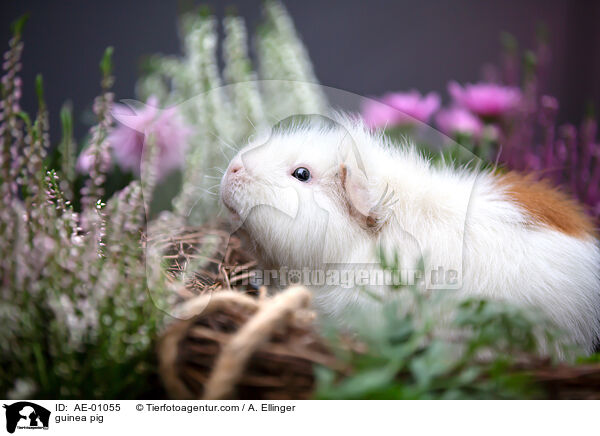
(363, 48)
(81, 326)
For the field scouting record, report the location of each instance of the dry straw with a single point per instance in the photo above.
(237, 346)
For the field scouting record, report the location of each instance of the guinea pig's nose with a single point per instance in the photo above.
(235, 166)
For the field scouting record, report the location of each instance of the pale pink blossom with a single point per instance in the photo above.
(400, 108)
(134, 128)
(85, 161)
(456, 120)
(485, 99)
(164, 126)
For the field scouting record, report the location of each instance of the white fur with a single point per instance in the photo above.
(455, 219)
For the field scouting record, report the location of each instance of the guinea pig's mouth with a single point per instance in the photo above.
(232, 211)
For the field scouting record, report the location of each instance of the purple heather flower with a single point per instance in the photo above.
(458, 120)
(400, 108)
(547, 118)
(485, 99)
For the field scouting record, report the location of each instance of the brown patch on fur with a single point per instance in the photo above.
(369, 222)
(547, 204)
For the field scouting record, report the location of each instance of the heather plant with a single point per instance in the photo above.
(509, 122)
(77, 321)
(527, 138)
(222, 109)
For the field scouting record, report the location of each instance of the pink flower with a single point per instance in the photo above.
(400, 108)
(85, 161)
(485, 99)
(164, 126)
(134, 127)
(458, 120)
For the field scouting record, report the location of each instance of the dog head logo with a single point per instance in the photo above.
(26, 415)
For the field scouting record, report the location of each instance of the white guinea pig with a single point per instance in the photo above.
(314, 195)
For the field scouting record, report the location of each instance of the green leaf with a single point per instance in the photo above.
(17, 26)
(39, 90)
(509, 42)
(106, 65)
(66, 147)
(365, 383)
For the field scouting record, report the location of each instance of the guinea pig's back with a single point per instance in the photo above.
(528, 243)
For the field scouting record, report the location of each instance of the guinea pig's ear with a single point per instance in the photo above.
(363, 203)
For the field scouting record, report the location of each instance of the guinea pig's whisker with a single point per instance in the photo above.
(192, 207)
(497, 158)
(250, 121)
(206, 191)
(219, 170)
(212, 190)
(225, 143)
(228, 158)
(273, 118)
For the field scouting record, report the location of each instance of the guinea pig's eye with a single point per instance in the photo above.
(301, 174)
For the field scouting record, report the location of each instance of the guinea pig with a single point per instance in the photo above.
(316, 196)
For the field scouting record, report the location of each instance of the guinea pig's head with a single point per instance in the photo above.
(302, 195)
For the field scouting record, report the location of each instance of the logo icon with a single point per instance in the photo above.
(26, 415)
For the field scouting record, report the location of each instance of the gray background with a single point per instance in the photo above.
(363, 47)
